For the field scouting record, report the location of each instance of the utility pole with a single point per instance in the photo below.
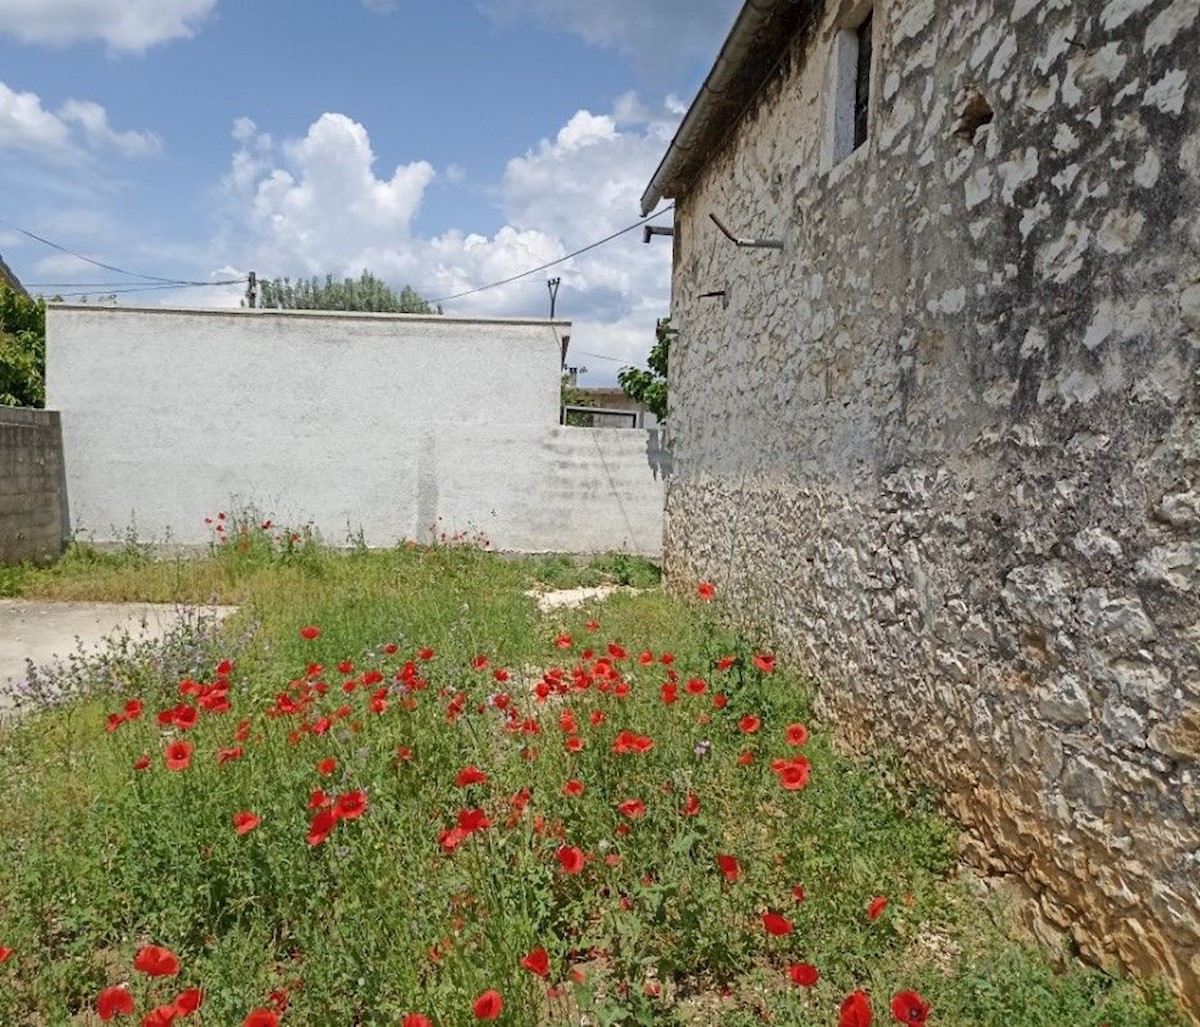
(252, 290)
(552, 284)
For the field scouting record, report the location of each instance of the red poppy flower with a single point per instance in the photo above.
(909, 1008)
(416, 1020)
(617, 652)
(571, 859)
(224, 668)
(798, 893)
(632, 808)
(470, 775)
(748, 725)
(310, 632)
(697, 686)
(142, 762)
(720, 701)
(573, 787)
(574, 744)
(390, 648)
(156, 961)
(350, 806)
(404, 752)
(261, 1018)
(876, 907)
(113, 1002)
(187, 1002)
(489, 1005)
(793, 775)
(244, 823)
(692, 806)
(592, 626)
(856, 1011)
(645, 657)
(345, 667)
(115, 720)
(730, 867)
(670, 693)
(327, 767)
(470, 820)
(725, 662)
(776, 924)
(178, 755)
(425, 655)
(745, 759)
(320, 827)
(563, 641)
(162, 1016)
(705, 590)
(479, 663)
(765, 662)
(226, 755)
(627, 741)
(537, 962)
(797, 734)
(804, 974)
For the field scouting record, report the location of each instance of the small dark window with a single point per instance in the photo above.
(862, 82)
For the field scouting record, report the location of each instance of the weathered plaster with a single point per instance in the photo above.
(946, 446)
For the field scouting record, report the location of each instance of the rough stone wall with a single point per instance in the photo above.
(32, 499)
(945, 445)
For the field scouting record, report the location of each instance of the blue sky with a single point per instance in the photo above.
(441, 143)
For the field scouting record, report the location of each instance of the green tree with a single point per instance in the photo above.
(366, 293)
(650, 387)
(22, 349)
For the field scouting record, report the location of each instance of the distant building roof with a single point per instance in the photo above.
(7, 277)
(756, 45)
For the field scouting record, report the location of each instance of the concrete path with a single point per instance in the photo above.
(565, 598)
(44, 632)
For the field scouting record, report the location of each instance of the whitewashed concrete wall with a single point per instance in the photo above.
(378, 424)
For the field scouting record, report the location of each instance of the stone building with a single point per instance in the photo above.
(934, 409)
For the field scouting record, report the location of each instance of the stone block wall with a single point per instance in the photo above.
(945, 445)
(32, 496)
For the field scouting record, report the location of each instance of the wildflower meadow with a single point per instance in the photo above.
(389, 791)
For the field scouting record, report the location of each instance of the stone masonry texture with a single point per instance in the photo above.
(31, 485)
(945, 445)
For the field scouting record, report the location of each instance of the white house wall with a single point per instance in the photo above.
(384, 427)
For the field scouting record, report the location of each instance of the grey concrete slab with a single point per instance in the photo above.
(45, 632)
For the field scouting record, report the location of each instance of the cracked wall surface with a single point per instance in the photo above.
(945, 444)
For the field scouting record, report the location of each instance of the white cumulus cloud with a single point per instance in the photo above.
(67, 135)
(124, 25)
(93, 120)
(319, 205)
(26, 125)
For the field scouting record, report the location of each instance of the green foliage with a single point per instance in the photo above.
(650, 387)
(574, 396)
(22, 349)
(367, 293)
(102, 858)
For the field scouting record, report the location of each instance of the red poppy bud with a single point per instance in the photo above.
(488, 1006)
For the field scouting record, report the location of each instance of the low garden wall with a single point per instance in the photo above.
(32, 498)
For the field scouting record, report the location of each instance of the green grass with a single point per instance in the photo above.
(102, 858)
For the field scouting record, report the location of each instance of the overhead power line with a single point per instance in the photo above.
(125, 286)
(554, 263)
(95, 263)
(148, 288)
